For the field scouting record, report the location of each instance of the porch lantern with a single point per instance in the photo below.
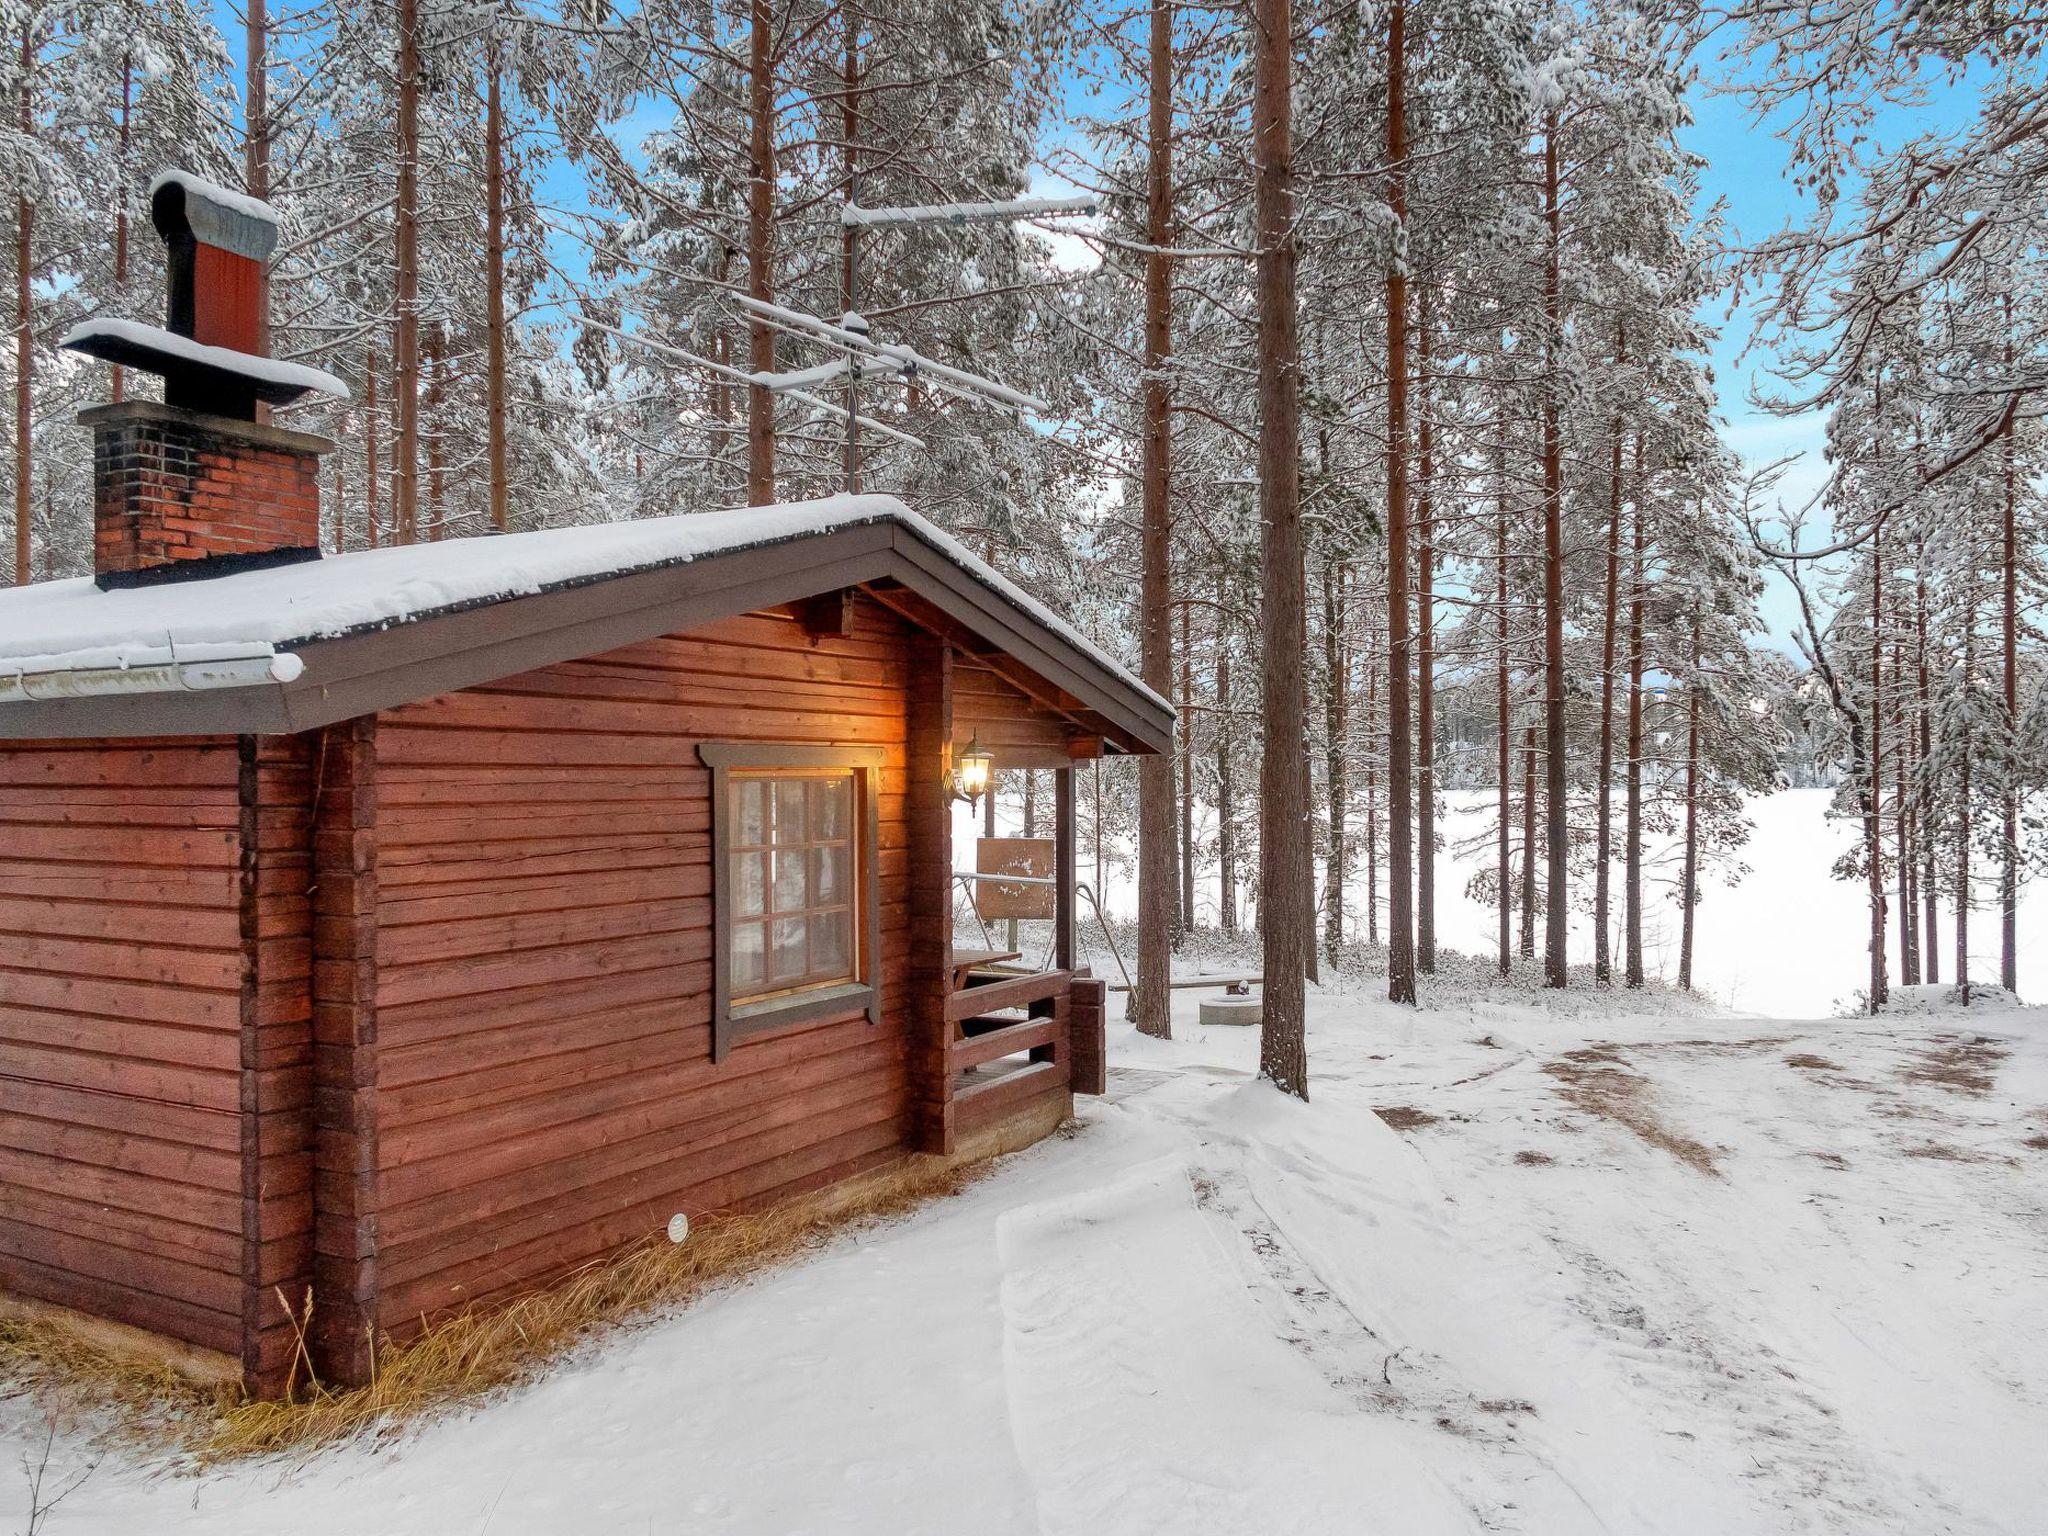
(968, 779)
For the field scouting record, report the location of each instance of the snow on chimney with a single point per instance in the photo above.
(196, 486)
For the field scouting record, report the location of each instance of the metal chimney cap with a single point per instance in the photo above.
(181, 203)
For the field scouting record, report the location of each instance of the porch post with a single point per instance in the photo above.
(1063, 950)
(929, 811)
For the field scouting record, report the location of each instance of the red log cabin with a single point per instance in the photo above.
(413, 925)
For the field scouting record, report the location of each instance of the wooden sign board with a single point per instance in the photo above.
(1028, 856)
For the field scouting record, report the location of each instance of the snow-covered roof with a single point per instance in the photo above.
(125, 341)
(74, 626)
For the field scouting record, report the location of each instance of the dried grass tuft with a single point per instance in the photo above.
(472, 1353)
(1962, 1065)
(1611, 1092)
(1405, 1117)
(74, 1377)
(1943, 1153)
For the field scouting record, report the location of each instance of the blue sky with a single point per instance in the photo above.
(1745, 166)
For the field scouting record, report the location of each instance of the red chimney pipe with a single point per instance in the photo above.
(218, 243)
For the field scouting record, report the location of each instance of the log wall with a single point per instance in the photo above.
(414, 1011)
(122, 1033)
(1017, 729)
(545, 1089)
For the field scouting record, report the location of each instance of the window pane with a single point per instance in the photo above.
(789, 811)
(828, 878)
(787, 963)
(832, 808)
(789, 881)
(752, 814)
(748, 942)
(831, 938)
(749, 884)
(793, 881)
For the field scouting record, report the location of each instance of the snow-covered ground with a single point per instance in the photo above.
(1581, 1264)
(1647, 1273)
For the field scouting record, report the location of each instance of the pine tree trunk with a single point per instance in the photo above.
(1285, 910)
(1425, 652)
(372, 429)
(1603, 960)
(1372, 805)
(1930, 884)
(1526, 939)
(1503, 704)
(1304, 760)
(1902, 832)
(1157, 929)
(1632, 831)
(1873, 820)
(405, 361)
(1689, 888)
(1963, 876)
(495, 403)
(721, 433)
(1096, 774)
(256, 98)
(1557, 832)
(760, 249)
(1336, 759)
(1963, 817)
(434, 365)
(2009, 753)
(1400, 662)
(1185, 779)
(118, 389)
(256, 151)
(849, 234)
(24, 334)
(1226, 779)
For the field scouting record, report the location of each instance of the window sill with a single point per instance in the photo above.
(844, 1000)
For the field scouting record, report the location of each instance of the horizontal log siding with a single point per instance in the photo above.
(545, 1091)
(122, 1153)
(1016, 728)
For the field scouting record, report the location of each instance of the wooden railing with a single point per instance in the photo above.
(989, 997)
(991, 1021)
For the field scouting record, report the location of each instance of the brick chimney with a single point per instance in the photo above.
(197, 486)
(178, 493)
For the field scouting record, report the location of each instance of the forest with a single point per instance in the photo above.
(1343, 366)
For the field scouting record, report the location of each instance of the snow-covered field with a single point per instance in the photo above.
(1604, 1265)
(1787, 939)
